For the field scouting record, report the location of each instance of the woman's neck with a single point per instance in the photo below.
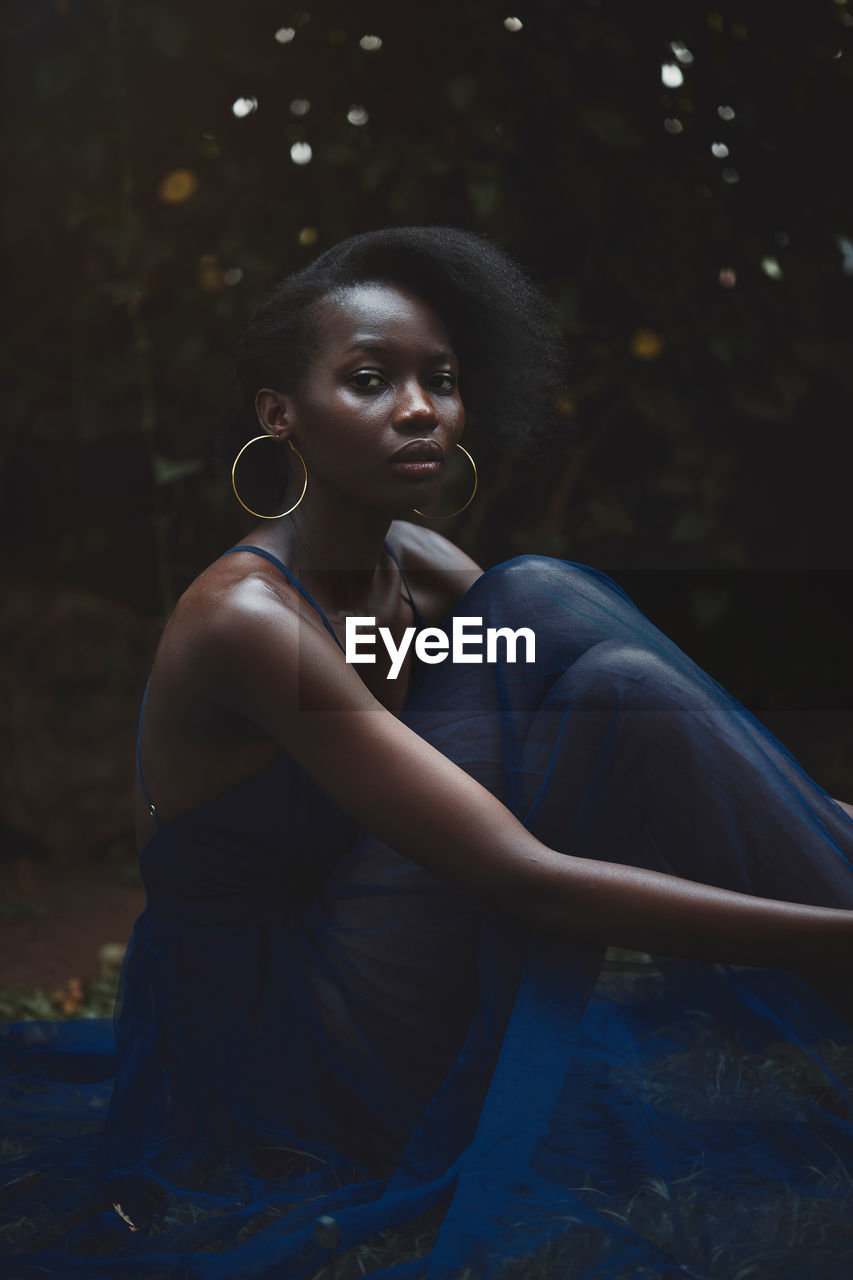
(335, 553)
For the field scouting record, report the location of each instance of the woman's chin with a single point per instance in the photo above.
(421, 495)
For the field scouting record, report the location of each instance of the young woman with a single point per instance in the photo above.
(382, 874)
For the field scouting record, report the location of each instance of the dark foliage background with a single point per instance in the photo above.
(695, 237)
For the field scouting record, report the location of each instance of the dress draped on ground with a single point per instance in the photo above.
(329, 1061)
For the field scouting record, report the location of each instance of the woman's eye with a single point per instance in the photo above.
(365, 380)
(443, 381)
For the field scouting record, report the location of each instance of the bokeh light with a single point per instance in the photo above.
(671, 75)
(731, 176)
(210, 275)
(301, 153)
(770, 267)
(646, 344)
(672, 125)
(846, 247)
(681, 52)
(307, 236)
(727, 277)
(720, 150)
(178, 186)
(513, 24)
(244, 107)
(284, 35)
(370, 43)
(726, 113)
(357, 115)
(233, 275)
(300, 107)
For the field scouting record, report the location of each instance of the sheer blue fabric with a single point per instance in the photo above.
(322, 1047)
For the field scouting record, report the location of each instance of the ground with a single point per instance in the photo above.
(55, 920)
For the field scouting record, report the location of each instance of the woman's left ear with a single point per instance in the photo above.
(273, 410)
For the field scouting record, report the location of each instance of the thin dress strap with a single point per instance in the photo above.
(292, 579)
(419, 618)
(149, 804)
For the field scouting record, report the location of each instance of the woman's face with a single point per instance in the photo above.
(378, 413)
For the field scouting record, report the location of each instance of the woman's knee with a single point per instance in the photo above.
(617, 671)
(569, 605)
(532, 574)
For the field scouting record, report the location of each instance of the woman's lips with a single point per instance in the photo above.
(418, 468)
(419, 459)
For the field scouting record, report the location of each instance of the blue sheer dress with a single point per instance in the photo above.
(327, 1061)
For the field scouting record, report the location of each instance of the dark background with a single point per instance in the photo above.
(705, 299)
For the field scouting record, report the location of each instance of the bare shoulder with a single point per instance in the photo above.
(235, 598)
(243, 640)
(439, 572)
(226, 589)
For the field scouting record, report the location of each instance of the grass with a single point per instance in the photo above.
(385, 1249)
(73, 999)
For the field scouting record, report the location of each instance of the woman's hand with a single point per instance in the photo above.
(848, 808)
(278, 667)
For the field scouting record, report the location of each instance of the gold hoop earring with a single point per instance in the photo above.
(464, 504)
(260, 514)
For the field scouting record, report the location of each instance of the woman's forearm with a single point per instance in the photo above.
(649, 911)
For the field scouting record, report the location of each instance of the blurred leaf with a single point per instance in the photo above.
(170, 34)
(660, 404)
(692, 525)
(461, 91)
(773, 399)
(609, 515)
(709, 604)
(484, 196)
(609, 125)
(55, 79)
(170, 470)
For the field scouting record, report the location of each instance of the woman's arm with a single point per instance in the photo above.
(288, 676)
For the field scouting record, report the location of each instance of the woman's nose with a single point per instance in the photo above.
(414, 406)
